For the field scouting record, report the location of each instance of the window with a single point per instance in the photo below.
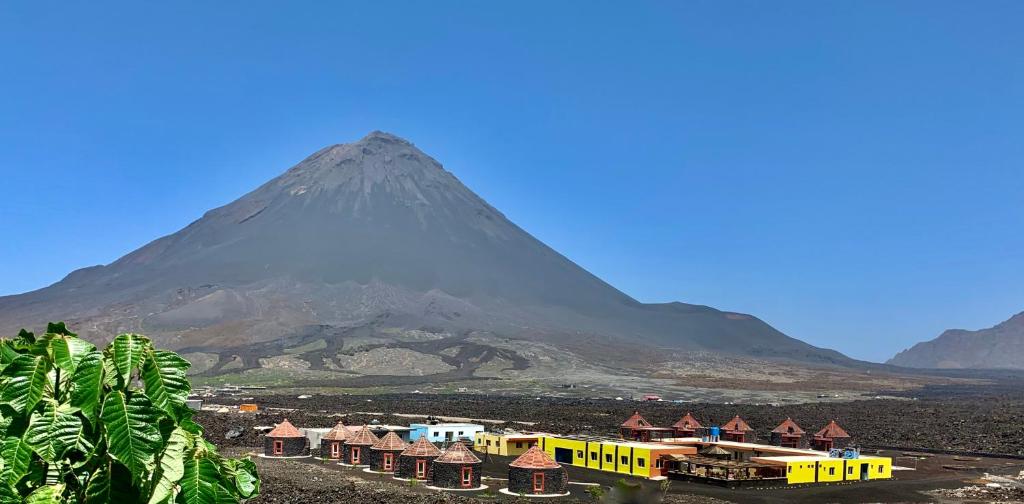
(593, 456)
(624, 460)
(335, 449)
(488, 442)
(579, 453)
(355, 455)
(278, 447)
(831, 471)
(608, 458)
(849, 470)
(388, 461)
(538, 482)
(421, 469)
(467, 477)
(519, 445)
(640, 462)
(879, 469)
(460, 433)
(789, 469)
(657, 464)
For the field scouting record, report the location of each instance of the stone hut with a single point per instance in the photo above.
(789, 435)
(535, 473)
(332, 443)
(739, 431)
(384, 453)
(416, 461)
(687, 426)
(457, 467)
(831, 436)
(357, 447)
(285, 441)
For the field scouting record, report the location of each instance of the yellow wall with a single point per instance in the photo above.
(500, 444)
(843, 470)
(583, 452)
(880, 468)
(830, 470)
(801, 472)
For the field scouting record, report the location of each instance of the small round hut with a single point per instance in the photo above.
(331, 444)
(789, 435)
(357, 447)
(415, 462)
(384, 453)
(457, 468)
(831, 436)
(285, 441)
(535, 473)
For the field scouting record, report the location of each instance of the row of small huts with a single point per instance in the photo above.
(788, 434)
(456, 467)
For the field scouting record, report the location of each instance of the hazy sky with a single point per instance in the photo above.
(851, 172)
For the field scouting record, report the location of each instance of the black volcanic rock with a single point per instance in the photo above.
(374, 230)
(1001, 346)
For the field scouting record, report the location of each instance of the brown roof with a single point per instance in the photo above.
(687, 422)
(285, 429)
(736, 424)
(390, 442)
(422, 448)
(832, 430)
(457, 453)
(788, 426)
(534, 458)
(715, 450)
(362, 438)
(338, 433)
(636, 421)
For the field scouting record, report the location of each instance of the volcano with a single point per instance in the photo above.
(378, 234)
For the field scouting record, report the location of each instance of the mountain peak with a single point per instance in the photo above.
(384, 137)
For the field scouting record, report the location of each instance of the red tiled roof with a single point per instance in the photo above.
(736, 424)
(832, 430)
(285, 429)
(362, 438)
(687, 422)
(788, 426)
(636, 421)
(457, 453)
(534, 458)
(338, 433)
(390, 442)
(422, 448)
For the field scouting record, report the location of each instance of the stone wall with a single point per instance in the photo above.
(376, 459)
(520, 480)
(407, 467)
(291, 447)
(450, 475)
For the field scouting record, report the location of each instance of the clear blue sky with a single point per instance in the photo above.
(852, 172)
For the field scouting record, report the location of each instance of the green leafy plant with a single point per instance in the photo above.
(80, 425)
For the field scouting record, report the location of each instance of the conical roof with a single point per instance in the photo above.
(736, 424)
(285, 429)
(715, 450)
(636, 421)
(687, 422)
(788, 426)
(534, 458)
(338, 433)
(457, 453)
(422, 448)
(362, 438)
(390, 442)
(832, 430)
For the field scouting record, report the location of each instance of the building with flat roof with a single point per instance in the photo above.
(445, 432)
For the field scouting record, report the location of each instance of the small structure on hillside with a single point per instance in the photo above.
(331, 444)
(739, 431)
(357, 445)
(831, 436)
(285, 441)
(416, 461)
(789, 435)
(384, 453)
(457, 467)
(637, 428)
(535, 473)
(686, 426)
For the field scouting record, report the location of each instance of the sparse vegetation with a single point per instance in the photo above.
(83, 425)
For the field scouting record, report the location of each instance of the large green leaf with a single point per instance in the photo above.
(200, 481)
(243, 473)
(87, 386)
(55, 430)
(17, 456)
(7, 353)
(26, 383)
(8, 495)
(164, 376)
(133, 437)
(171, 467)
(110, 483)
(69, 350)
(127, 353)
(49, 494)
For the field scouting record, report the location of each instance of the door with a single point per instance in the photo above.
(421, 469)
(335, 450)
(538, 483)
(467, 477)
(563, 455)
(278, 447)
(355, 455)
(864, 468)
(388, 461)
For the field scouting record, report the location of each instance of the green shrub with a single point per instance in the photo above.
(83, 426)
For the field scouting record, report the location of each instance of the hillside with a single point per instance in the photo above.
(998, 347)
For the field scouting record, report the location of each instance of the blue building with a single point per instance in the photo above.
(444, 432)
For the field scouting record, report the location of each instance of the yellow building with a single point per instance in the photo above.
(507, 444)
(644, 460)
(824, 469)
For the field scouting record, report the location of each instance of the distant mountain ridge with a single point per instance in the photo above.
(998, 347)
(371, 232)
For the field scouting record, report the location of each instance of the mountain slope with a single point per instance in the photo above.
(1000, 346)
(374, 232)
